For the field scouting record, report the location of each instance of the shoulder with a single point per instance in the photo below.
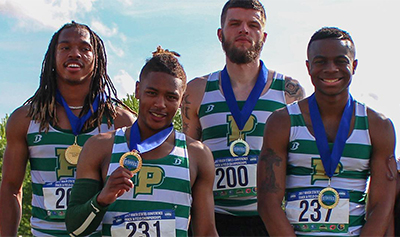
(279, 117)
(19, 120)
(124, 117)
(99, 145)
(197, 82)
(293, 90)
(198, 152)
(196, 147)
(379, 124)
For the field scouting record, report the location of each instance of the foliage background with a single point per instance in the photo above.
(24, 227)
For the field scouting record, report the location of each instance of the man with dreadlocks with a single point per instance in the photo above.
(146, 179)
(72, 103)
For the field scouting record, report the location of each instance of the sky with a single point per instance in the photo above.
(132, 29)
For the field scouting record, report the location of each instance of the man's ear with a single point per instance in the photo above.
(219, 34)
(137, 90)
(355, 63)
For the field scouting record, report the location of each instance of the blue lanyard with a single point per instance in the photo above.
(330, 159)
(76, 122)
(136, 143)
(241, 116)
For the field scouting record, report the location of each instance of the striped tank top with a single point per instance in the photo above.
(52, 175)
(159, 204)
(306, 177)
(235, 182)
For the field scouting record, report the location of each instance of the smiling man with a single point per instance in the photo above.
(146, 179)
(227, 110)
(319, 153)
(73, 102)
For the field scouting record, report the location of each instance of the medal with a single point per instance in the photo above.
(239, 147)
(131, 161)
(72, 153)
(328, 198)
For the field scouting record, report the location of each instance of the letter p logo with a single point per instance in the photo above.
(147, 178)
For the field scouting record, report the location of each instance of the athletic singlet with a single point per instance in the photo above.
(306, 177)
(159, 204)
(235, 182)
(52, 175)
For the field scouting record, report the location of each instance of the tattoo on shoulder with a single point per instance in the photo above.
(269, 183)
(185, 106)
(294, 89)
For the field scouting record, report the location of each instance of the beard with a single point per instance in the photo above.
(239, 56)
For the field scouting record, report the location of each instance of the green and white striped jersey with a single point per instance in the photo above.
(235, 184)
(159, 204)
(306, 177)
(52, 176)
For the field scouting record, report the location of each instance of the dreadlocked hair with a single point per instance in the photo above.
(42, 105)
(165, 61)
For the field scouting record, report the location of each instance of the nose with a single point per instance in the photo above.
(244, 29)
(74, 53)
(160, 102)
(330, 66)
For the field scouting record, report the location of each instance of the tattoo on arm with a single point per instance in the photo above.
(294, 89)
(185, 106)
(271, 160)
(392, 174)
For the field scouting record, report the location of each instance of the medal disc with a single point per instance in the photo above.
(131, 161)
(328, 198)
(239, 148)
(72, 154)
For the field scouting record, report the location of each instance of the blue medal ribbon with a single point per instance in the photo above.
(241, 116)
(136, 143)
(330, 159)
(77, 122)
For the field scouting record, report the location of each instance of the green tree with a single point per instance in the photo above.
(133, 104)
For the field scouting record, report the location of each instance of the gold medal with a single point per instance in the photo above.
(132, 161)
(328, 198)
(72, 153)
(239, 148)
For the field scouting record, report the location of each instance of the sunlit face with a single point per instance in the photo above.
(331, 65)
(242, 35)
(74, 56)
(160, 96)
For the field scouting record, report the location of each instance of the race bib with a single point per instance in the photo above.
(56, 197)
(306, 214)
(147, 223)
(235, 177)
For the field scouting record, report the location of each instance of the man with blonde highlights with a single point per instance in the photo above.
(147, 178)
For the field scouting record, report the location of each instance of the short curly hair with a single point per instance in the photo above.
(332, 33)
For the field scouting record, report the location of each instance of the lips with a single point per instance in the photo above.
(330, 80)
(158, 115)
(242, 39)
(73, 64)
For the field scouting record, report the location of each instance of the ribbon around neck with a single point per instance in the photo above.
(136, 143)
(77, 122)
(330, 158)
(241, 116)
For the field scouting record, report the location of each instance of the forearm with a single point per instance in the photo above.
(378, 220)
(84, 214)
(10, 212)
(274, 217)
